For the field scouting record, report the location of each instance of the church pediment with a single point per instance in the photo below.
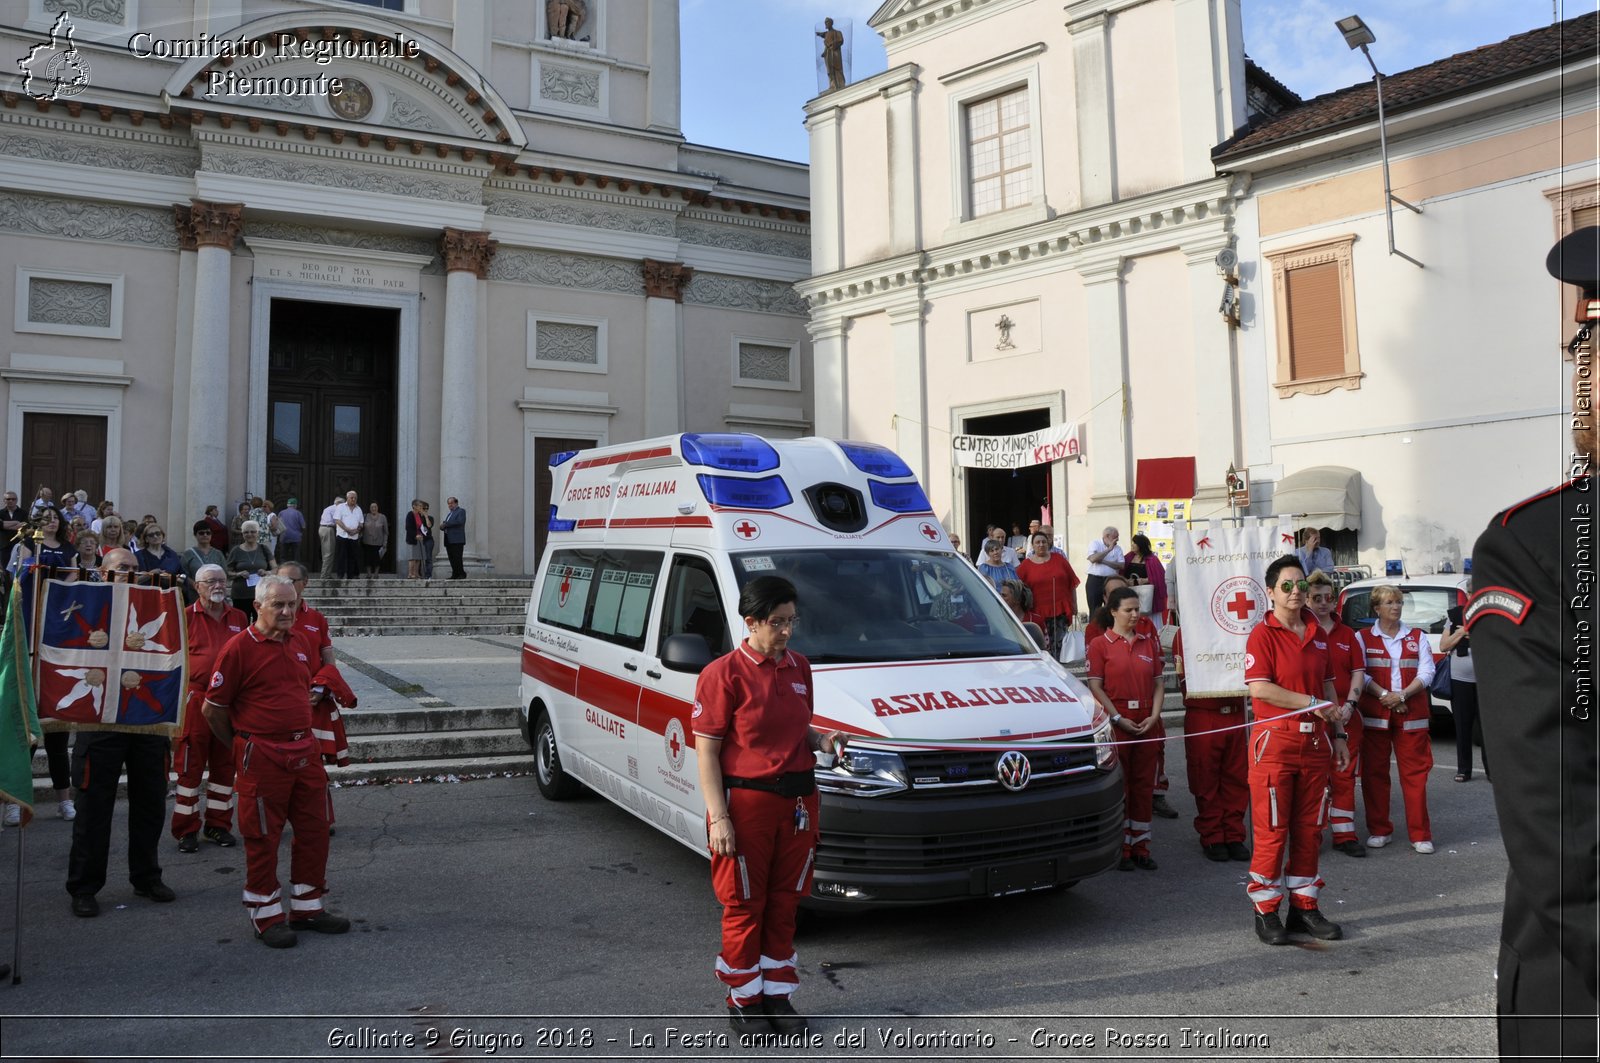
(356, 71)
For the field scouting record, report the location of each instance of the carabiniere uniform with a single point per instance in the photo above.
(1534, 624)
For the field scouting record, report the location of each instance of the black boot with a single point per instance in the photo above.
(1160, 807)
(1313, 922)
(1269, 928)
(748, 1019)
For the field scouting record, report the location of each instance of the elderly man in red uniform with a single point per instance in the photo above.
(755, 745)
(1287, 670)
(258, 701)
(1349, 674)
(211, 623)
(1214, 749)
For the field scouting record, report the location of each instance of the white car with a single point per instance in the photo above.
(1425, 602)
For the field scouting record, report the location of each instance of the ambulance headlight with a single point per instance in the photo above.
(865, 773)
(1105, 754)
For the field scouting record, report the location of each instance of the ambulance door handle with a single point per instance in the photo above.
(652, 673)
(630, 666)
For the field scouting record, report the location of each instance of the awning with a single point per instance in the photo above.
(1323, 496)
(1164, 478)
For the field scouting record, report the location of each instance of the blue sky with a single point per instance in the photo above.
(749, 65)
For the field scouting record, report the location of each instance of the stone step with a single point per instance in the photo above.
(385, 588)
(490, 627)
(364, 722)
(435, 745)
(375, 611)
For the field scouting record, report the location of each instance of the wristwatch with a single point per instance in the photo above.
(1341, 736)
(1115, 720)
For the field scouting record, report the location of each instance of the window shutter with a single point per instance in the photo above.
(1584, 217)
(1316, 322)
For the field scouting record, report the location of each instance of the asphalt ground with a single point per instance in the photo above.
(493, 923)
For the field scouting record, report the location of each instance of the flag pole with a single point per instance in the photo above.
(16, 937)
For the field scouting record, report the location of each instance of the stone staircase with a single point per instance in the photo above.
(387, 605)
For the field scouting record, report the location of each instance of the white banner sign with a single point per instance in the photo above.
(1014, 452)
(1222, 595)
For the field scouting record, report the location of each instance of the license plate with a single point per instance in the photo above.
(1020, 878)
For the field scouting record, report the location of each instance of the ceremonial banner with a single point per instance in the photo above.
(109, 656)
(19, 721)
(1015, 452)
(1222, 595)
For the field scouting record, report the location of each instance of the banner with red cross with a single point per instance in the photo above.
(109, 656)
(1222, 595)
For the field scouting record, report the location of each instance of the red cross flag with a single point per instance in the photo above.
(1222, 595)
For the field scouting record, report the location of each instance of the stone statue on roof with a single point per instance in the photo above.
(565, 18)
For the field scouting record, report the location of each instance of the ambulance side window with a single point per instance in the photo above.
(564, 598)
(625, 583)
(693, 605)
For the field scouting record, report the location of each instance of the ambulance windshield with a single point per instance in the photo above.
(889, 605)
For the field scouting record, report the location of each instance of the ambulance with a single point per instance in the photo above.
(977, 765)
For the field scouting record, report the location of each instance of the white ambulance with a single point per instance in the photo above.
(977, 765)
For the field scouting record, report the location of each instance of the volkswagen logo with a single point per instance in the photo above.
(1013, 770)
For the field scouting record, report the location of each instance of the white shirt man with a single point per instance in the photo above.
(347, 522)
(1105, 560)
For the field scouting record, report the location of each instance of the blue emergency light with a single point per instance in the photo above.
(769, 492)
(561, 525)
(562, 458)
(899, 498)
(729, 451)
(875, 460)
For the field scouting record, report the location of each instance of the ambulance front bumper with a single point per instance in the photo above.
(922, 849)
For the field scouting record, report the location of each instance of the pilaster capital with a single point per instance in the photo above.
(1103, 270)
(666, 280)
(823, 330)
(466, 251)
(906, 313)
(214, 224)
(183, 221)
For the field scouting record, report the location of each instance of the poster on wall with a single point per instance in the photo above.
(1057, 443)
(1156, 518)
(1163, 495)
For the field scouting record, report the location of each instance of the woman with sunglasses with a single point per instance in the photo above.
(1349, 675)
(153, 555)
(1395, 712)
(1287, 671)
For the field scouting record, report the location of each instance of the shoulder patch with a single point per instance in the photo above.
(1496, 601)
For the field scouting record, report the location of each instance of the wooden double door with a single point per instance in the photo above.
(331, 411)
(64, 452)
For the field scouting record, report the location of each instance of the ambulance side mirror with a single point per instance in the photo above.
(1036, 631)
(685, 653)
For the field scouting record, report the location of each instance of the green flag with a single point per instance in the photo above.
(19, 715)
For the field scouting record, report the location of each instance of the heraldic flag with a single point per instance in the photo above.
(19, 720)
(109, 656)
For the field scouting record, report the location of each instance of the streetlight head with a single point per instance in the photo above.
(1356, 33)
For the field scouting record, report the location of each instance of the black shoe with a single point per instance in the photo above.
(277, 936)
(1162, 809)
(1313, 922)
(748, 1020)
(1144, 863)
(157, 891)
(1269, 928)
(1352, 848)
(85, 906)
(218, 836)
(330, 830)
(781, 1014)
(1216, 851)
(189, 843)
(1125, 864)
(321, 923)
(1238, 851)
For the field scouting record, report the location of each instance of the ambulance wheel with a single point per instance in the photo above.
(555, 784)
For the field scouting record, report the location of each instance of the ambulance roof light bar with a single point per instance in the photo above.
(769, 492)
(729, 452)
(899, 498)
(875, 460)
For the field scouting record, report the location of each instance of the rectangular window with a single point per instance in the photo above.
(564, 599)
(999, 153)
(627, 582)
(1315, 317)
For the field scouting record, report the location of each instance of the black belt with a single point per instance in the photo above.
(786, 784)
(276, 736)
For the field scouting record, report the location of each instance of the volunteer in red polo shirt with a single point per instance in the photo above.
(211, 623)
(1349, 664)
(1287, 669)
(1214, 750)
(1125, 677)
(755, 745)
(258, 701)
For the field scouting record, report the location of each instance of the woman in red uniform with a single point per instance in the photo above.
(755, 745)
(1395, 710)
(1099, 624)
(1125, 676)
(1349, 673)
(1214, 750)
(1286, 668)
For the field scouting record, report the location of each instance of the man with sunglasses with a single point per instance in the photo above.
(1288, 672)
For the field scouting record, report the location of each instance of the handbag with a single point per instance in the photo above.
(1072, 648)
(1440, 687)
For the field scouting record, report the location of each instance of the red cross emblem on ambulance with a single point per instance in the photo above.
(929, 532)
(747, 529)
(566, 588)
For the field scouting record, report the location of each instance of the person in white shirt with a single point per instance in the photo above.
(325, 537)
(347, 522)
(1007, 555)
(1105, 559)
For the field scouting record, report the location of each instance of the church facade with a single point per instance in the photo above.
(408, 248)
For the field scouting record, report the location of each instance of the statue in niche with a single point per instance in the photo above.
(564, 18)
(832, 54)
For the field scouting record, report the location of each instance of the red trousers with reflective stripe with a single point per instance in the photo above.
(1413, 756)
(1162, 783)
(1288, 800)
(1342, 787)
(1138, 782)
(280, 782)
(1218, 770)
(760, 888)
(199, 752)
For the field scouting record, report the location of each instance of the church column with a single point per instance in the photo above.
(905, 187)
(831, 413)
(663, 359)
(910, 387)
(1091, 65)
(466, 263)
(665, 64)
(827, 215)
(178, 514)
(214, 228)
(1108, 447)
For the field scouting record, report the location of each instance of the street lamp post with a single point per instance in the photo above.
(1358, 35)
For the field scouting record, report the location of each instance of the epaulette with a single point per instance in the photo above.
(1505, 516)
